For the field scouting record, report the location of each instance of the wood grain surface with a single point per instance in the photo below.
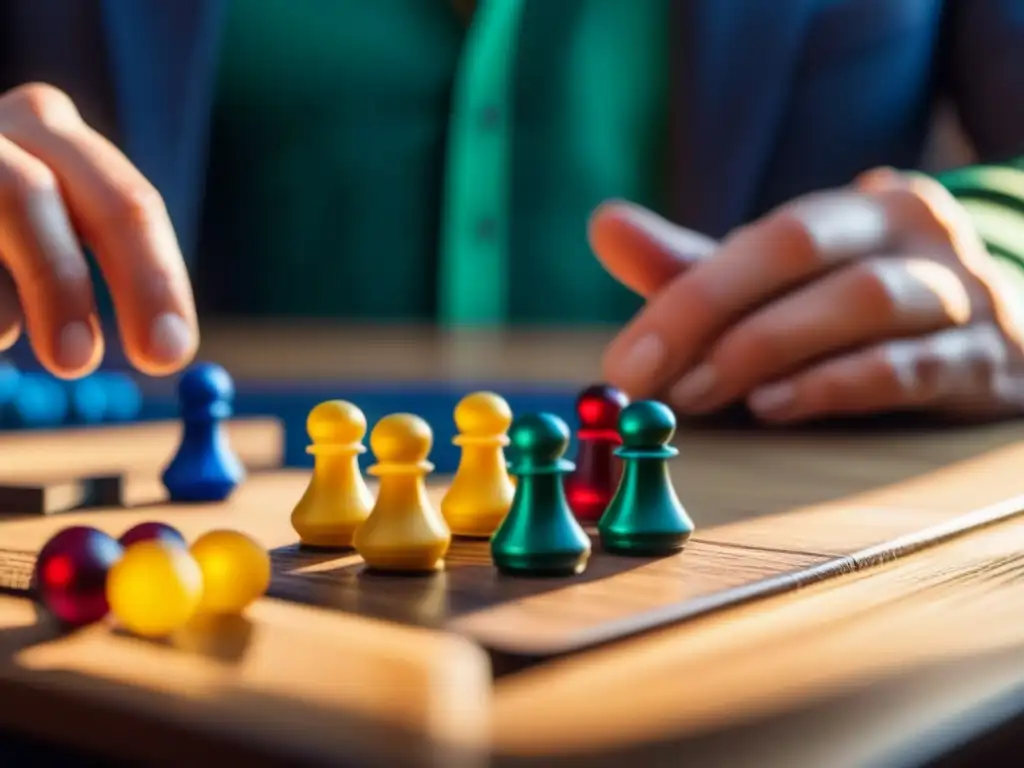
(308, 351)
(615, 597)
(288, 681)
(764, 502)
(140, 449)
(954, 603)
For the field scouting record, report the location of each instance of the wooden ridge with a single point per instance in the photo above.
(143, 449)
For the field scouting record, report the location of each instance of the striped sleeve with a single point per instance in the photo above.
(994, 198)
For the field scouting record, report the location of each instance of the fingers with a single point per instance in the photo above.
(10, 311)
(642, 250)
(866, 302)
(957, 365)
(124, 220)
(788, 248)
(44, 258)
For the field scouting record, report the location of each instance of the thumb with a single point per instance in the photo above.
(642, 250)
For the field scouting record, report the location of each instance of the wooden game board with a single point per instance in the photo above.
(519, 621)
(417, 639)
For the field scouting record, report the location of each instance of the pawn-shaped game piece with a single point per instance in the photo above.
(337, 501)
(205, 467)
(70, 577)
(481, 491)
(645, 517)
(404, 532)
(540, 536)
(592, 484)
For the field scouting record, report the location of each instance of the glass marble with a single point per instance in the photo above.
(155, 589)
(71, 574)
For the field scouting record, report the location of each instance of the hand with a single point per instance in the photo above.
(60, 179)
(878, 297)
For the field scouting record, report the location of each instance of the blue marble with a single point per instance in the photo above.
(10, 380)
(87, 399)
(40, 401)
(205, 467)
(123, 396)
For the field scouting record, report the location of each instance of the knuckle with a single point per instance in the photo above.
(913, 199)
(827, 391)
(751, 347)
(136, 205)
(872, 283)
(927, 207)
(41, 103)
(797, 244)
(25, 186)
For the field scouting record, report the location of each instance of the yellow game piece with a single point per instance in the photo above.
(337, 501)
(154, 589)
(236, 571)
(481, 492)
(404, 531)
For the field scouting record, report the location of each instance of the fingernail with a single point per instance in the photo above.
(772, 399)
(76, 346)
(640, 364)
(693, 387)
(170, 338)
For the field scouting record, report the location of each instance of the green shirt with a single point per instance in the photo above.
(363, 162)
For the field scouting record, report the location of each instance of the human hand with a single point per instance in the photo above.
(61, 181)
(877, 297)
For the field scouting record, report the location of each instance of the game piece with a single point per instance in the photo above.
(87, 400)
(236, 571)
(404, 531)
(123, 396)
(481, 491)
(152, 531)
(540, 536)
(40, 401)
(55, 495)
(337, 501)
(10, 380)
(70, 574)
(205, 467)
(646, 517)
(592, 484)
(154, 589)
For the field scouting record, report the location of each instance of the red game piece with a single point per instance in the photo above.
(591, 486)
(71, 574)
(152, 531)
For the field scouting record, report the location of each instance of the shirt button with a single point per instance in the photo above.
(486, 228)
(490, 117)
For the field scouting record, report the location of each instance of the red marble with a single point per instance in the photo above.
(152, 531)
(591, 486)
(70, 577)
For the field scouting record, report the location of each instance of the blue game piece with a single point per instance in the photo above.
(10, 380)
(124, 398)
(87, 400)
(205, 467)
(41, 401)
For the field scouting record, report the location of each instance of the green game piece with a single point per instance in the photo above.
(645, 517)
(540, 535)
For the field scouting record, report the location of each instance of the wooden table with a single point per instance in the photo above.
(895, 662)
